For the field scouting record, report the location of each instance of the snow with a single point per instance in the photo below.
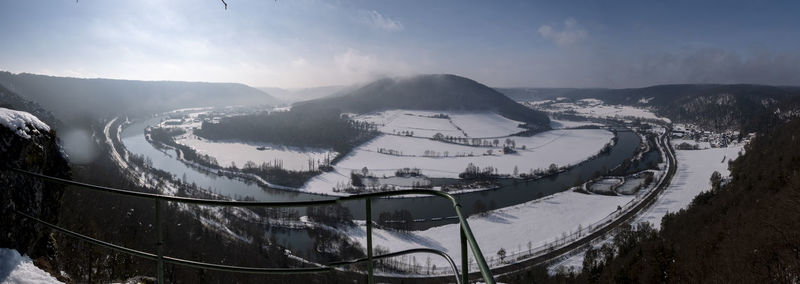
(564, 124)
(630, 185)
(596, 108)
(485, 124)
(694, 171)
(460, 124)
(539, 222)
(605, 185)
(560, 147)
(396, 121)
(22, 123)
(542, 102)
(16, 268)
(692, 177)
(191, 109)
(227, 152)
(701, 144)
(590, 102)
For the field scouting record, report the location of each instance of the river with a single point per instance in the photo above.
(511, 192)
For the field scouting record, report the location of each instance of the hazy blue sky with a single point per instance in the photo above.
(308, 43)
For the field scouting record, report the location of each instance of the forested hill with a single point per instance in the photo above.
(428, 92)
(745, 231)
(71, 99)
(11, 100)
(750, 108)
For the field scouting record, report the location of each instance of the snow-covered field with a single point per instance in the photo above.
(630, 185)
(227, 152)
(16, 268)
(596, 108)
(536, 222)
(693, 176)
(239, 152)
(560, 147)
(701, 144)
(605, 185)
(485, 124)
(694, 171)
(423, 124)
(563, 124)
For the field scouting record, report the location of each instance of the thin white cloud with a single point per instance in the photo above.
(571, 34)
(299, 62)
(377, 21)
(354, 62)
(355, 66)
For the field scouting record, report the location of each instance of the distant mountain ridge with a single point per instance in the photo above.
(738, 106)
(71, 99)
(429, 92)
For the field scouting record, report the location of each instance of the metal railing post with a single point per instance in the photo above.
(464, 257)
(159, 244)
(473, 244)
(368, 202)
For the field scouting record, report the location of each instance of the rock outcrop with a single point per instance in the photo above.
(29, 144)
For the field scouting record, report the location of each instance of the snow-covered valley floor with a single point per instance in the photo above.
(518, 229)
(560, 147)
(692, 177)
(239, 153)
(457, 124)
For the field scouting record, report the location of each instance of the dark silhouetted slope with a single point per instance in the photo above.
(429, 92)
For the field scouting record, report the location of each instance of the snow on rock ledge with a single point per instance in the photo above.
(16, 268)
(22, 123)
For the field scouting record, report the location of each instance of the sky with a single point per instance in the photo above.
(310, 43)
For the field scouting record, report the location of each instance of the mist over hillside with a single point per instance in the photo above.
(305, 94)
(73, 99)
(429, 92)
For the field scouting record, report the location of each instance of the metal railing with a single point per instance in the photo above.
(466, 236)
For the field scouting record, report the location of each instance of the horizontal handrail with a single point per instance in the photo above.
(240, 269)
(486, 273)
(233, 203)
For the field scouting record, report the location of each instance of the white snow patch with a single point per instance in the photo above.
(539, 222)
(485, 124)
(692, 177)
(16, 268)
(22, 123)
(564, 124)
(227, 152)
(560, 147)
(459, 124)
(595, 108)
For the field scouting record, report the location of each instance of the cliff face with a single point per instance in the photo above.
(27, 143)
